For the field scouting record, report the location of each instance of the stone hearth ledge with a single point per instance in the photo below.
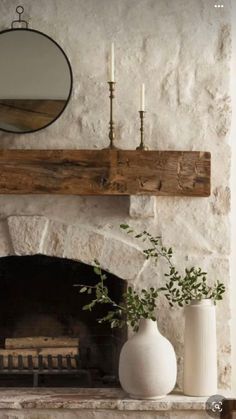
(93, 399)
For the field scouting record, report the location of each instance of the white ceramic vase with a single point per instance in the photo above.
(200, 349)
(147, 368)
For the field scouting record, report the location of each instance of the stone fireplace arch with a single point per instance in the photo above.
(29, 235)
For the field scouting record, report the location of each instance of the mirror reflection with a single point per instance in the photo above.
(35, 80)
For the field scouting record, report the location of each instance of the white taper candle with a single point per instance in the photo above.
(142, 97)
(112, 63)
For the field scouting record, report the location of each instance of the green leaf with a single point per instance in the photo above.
(83, 289)
(86, 307)
(136, 304)
(124, 226)
(97, 270)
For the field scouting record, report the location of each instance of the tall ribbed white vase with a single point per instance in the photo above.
(200, 349)
(147, 367)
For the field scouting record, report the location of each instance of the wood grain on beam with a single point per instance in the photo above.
(105, 172)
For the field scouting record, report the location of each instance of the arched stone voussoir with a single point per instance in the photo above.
(27, 233)
(83, 244)
(5, 240)
(31, 235)
(122, 259)
(54, 243)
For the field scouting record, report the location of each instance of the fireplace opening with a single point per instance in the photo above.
(46, 338)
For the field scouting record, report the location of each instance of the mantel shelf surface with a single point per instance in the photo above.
(105, 172)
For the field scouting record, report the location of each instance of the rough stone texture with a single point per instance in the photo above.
(142, 206)
(5, 242)
(91, 414)
(122, 259)
(181, 49)
(27, 234)
(95, 403)
(83, 245)
(221, 201)
(55, 239)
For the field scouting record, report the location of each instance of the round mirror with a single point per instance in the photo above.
(35, 80)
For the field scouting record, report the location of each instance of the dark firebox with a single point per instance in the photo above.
(47, 339)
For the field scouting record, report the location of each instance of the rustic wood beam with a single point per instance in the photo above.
(105, 172)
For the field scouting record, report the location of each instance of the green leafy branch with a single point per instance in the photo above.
(193, 286)
(178, 289)
(156, 249)
(134, 306)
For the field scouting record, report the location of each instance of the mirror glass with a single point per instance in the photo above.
(35, 80)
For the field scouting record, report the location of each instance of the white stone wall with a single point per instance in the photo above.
(181, 49)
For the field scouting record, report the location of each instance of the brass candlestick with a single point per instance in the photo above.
(111, 123)
(141, 145)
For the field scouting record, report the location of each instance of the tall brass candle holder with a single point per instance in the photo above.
(141, 145)
(111, 123)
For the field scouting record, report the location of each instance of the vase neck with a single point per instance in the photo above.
(148, 326)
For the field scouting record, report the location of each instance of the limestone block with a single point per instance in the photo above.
(223, 111)
(55, 239)
(142, 206)
(101, 404)
(223, 333)
(5, 240)
(27, 233)
(9, 415)
(121, 259)
(224, 42)
(188, 225)
(225, 372)
(220, 202)
(83, 245)
(152, 275)
(180, 371)
(221, 164)
(102, 414)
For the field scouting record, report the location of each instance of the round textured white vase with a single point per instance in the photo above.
(200, 349)
(147, 367)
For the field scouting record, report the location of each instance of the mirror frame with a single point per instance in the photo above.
(71, 79)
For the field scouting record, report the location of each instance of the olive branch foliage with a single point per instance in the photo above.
(135, 305)
(130, 310)
(178, 289)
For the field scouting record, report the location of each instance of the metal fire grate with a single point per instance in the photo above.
(43, 365)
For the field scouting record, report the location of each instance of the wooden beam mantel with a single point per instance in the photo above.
(105, 172)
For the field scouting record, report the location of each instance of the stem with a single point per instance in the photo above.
(106, 296)
(160, 253)
(115, 304)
